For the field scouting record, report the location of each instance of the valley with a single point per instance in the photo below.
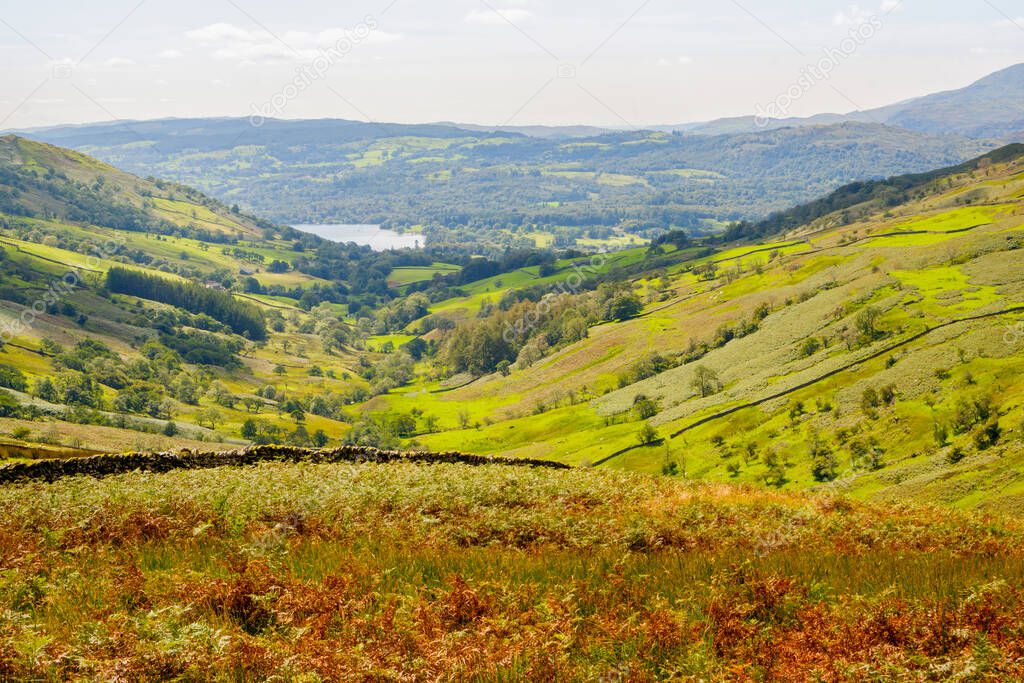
(470, 342)
(872, 349)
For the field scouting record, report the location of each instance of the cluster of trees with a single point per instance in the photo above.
(527, 324)
(242, 317)
(262, 431)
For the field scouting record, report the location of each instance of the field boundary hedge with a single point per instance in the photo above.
(106, 465)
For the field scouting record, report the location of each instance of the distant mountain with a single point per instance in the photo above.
(992, 108)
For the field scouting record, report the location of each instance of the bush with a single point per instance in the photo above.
(12, 378)
(810, 347)
(988, 436)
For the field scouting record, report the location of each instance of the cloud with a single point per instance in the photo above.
(171, 54)
(989, 51)
(682, 60)
(501, 15)
(855, 15)
(1010, 21)
(115, 62)
(232, 42)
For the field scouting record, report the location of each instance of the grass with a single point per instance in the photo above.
(490, 573)
(407, 275)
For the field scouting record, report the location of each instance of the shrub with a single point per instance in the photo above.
(810, 347)
(988, 436)
(969, 413)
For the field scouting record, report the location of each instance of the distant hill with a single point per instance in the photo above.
(991, 108)
(438, 175)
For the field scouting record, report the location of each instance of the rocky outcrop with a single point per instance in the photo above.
(105, 465)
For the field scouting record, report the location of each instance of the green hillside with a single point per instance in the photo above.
(877, 350)
(874, 348)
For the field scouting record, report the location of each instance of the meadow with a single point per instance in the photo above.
(450, 572)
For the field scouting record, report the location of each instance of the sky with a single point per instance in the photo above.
(626, 63)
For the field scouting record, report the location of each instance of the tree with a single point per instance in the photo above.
(647, 435)
(185, 390)
(623, 306)
(645, 408)
(209, 417)
(430, 423)
(824, 465)
(278, 266)
(320, 438)
(260, 431)
(252, 404)
(705, 381)
(867, 321)
(222, 396)
(77, 389)
(12, 378)
(8, 404)
(707, 271)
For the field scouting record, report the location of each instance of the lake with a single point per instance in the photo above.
(373, 236)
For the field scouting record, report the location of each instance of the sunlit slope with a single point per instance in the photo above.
(52, 182)
(925, 297)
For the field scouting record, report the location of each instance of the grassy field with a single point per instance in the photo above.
(452, 572)
(407, 275)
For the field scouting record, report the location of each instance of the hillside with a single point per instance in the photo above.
(873, 348)
(877, 349)
(457, 183)
(402, 571)
(46, 182)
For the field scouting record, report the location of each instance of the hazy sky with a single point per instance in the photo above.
(488, 61)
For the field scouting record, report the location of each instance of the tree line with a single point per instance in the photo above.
(243, 318)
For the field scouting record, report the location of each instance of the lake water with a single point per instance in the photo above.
(373, 236)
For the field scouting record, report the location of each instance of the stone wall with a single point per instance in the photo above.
(105, 465)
